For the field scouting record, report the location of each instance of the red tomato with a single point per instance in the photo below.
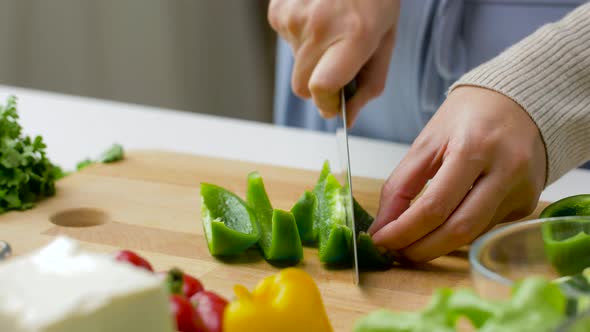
(209, 310)
(183, 314)
(134, 259)
(191, 285)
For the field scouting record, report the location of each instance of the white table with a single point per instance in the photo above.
(75, 128)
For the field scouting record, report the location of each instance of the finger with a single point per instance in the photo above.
(371, 78)
(306, 59)
(287, 18)
(476, 213)
(405, 183)
(517, 205)
(502, 215)
(448, 188)
(338, 65)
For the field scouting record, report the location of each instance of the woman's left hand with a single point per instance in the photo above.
(486, 161)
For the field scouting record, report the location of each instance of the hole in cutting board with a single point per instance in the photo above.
(82, 217)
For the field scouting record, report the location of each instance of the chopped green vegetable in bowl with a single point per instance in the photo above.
(536, 305)
(26, 174)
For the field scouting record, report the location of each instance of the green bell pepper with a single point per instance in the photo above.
(303, 211)
(279, 238)
(229, 224)
(335, 238)
(578, 205)
(370, 257)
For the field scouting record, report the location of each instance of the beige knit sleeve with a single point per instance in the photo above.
(548, 74)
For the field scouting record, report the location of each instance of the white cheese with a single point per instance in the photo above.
(62, 288)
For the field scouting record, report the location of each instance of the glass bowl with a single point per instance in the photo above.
(517, 250)
(580, 323)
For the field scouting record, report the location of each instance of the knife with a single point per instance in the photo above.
(344, 155)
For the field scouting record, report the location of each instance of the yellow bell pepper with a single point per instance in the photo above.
(288, 301)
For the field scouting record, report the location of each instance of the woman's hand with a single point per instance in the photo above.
(335, 41)
(487, 163)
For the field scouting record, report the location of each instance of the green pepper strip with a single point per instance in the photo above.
(279, 238)
(229, 224)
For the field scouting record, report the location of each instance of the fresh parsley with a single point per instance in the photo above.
(26, 175)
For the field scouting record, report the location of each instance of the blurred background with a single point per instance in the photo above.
(206, 56)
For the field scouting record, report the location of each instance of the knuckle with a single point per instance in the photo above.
(462, 147)
(421, 142)
(471, 150)
(299, 87)
(360, 28)
(273, 14)
(462, 231)
(293, 23)
(520, 162)
(318, 19)
(388, 187)
(433, 209)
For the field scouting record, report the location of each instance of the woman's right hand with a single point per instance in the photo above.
(335, 41)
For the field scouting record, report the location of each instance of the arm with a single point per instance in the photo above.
(548, 75)
(506, 129)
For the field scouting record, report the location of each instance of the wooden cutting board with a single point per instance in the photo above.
(150, 203)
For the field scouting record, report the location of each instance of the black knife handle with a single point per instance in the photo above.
(350, 89)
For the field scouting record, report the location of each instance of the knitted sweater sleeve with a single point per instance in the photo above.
(548, 75)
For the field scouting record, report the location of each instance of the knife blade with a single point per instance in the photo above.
(344, 157)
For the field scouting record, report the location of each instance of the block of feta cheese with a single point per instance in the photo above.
(61, 288)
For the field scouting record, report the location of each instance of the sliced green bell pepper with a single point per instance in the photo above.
(567, 245)
(578, 205)
(335, 238)
(307, 209)
(318, 191)
(279, 238)
(567, 242)
(229, 224)
(324, 209)
(369, 256)
(303, 211)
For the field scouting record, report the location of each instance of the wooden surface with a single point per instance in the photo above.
(150, 203)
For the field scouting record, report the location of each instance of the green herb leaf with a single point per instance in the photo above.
(114, 153)
(84, 163)
(26, 175)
